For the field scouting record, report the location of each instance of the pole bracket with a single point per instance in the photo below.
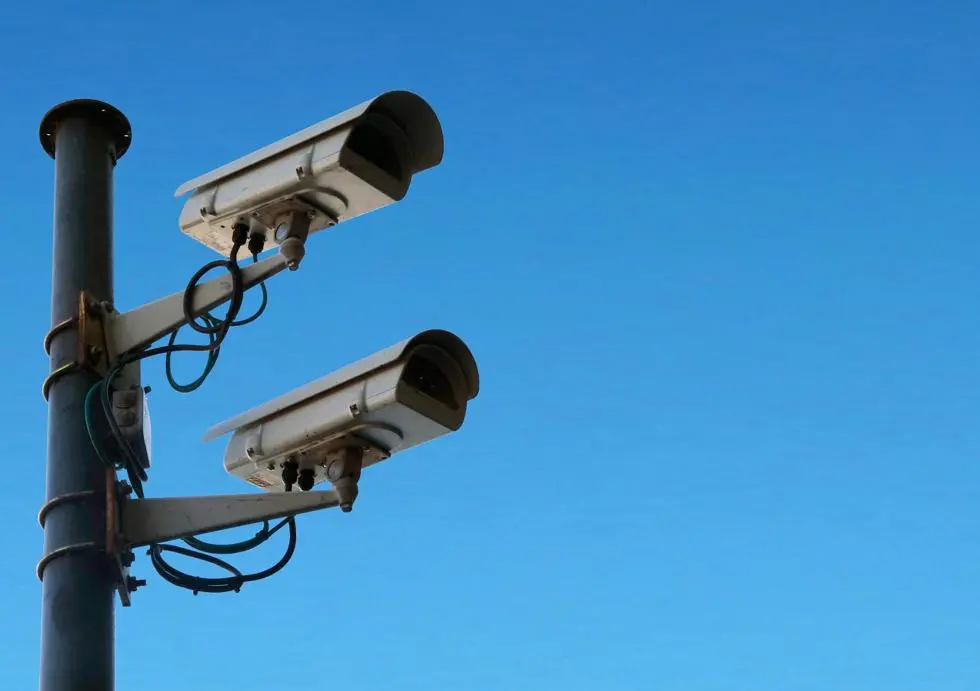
(150, 521)
(136, 329)
(92, 352)
(120, 558)
(119, 555)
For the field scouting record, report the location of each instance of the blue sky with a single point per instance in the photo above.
(718, 265)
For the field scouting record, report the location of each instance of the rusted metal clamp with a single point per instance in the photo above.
(64, 552)
(119, 556)
(92, 352)
(68, 498)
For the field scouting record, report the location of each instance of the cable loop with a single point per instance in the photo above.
(232, 583)
(216, 330)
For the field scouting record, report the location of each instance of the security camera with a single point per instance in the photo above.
(338, 169)
(330, 429)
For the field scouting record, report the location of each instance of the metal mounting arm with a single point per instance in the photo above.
(147, 521)
(142, 326)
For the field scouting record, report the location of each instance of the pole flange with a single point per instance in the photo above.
(110, 118)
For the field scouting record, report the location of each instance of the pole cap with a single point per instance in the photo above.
(110, 118)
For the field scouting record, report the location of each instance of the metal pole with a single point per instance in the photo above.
(85, 138)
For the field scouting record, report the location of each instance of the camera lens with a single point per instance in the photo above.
(426, 377)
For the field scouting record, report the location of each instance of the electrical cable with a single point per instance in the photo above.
(232, 583)
(136, 477)
(90, 425)
(212, 328)
(184, 580)
(211, 362)
(134, 469)
(265, 297)
(235, 547)
(216, 330)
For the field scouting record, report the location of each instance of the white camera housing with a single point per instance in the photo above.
(345, 166)
(403, 396)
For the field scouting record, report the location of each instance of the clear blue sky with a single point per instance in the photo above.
(717, 262)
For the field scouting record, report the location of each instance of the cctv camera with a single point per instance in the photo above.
(330, 429)
(343, 167)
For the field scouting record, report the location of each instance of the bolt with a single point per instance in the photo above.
(124, 488)
(147, 389)
(127, 558)
(300, 173)
(132, 584)
(271, 466)
(355, 409)
(204, 211)
(95, 351)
